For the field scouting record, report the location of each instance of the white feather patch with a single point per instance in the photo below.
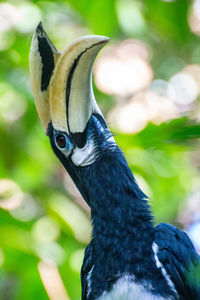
(87, 155)
(84, 156)
(127, 289)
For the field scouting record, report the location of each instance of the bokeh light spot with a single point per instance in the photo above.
(52, 252)
(26, 211)
(6, 40)
(76, 260)
(182, 89)
(2, 258)
(124, 72)
(12, 104)
(194, 17)
(45, 230)
(130, 117)
(7, 16)
(70, 213)
(11, 195)
(130, 16)
(27, 18)
(194, 233)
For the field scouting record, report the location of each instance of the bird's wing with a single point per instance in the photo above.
(176, 255)
(86, 271)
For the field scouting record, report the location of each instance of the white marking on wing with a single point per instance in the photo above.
(160, 266)
(88, 279)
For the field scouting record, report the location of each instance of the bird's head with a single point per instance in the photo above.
(62, 88)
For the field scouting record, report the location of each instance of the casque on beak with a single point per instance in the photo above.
(43, 57)
(62, 82)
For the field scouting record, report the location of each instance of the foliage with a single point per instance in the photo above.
(52, 223)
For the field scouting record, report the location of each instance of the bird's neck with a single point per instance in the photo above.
(117, 203)
(119, 209)
(122, 223)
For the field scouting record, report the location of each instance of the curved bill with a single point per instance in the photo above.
(71, 95)
(42, 60)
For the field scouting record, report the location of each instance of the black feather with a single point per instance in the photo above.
(180, 259)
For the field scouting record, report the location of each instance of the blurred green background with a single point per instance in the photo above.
(147, 83)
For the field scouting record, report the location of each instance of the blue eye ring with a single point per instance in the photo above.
(62, 141)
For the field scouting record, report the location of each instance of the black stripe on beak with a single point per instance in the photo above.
(47, 57)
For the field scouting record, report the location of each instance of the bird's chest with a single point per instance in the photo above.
(126, 289)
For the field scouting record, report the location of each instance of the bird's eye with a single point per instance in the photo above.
(61, 141)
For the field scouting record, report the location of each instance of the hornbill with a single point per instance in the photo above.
(128, 258)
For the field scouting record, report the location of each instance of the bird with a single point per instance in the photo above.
(128, 257)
